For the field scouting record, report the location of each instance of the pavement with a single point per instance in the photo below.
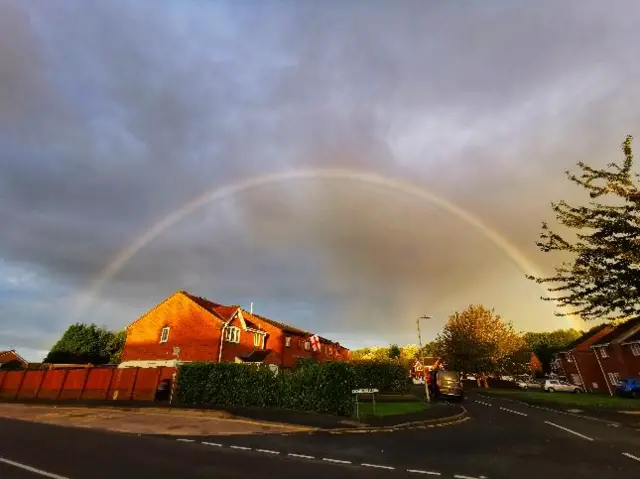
(500, 439)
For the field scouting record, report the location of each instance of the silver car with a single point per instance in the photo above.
(554, 385)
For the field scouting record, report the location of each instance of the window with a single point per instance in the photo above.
(307, 345)
(164, 334)
(604, 353)
(287, 341)
(257, 340)
(232, 334)
(614, 378)
(330, 351)
(575, 379)
(635, 349)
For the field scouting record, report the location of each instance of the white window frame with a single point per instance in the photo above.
(307, 346)
(569, 358)
(232, 334)
(287, 341)
(614, 378)
(603, 352)
(164, 334)
(635, 349)
(257, 340)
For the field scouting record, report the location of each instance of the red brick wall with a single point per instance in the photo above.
(620, 360)
(193, 329)
(591, 371)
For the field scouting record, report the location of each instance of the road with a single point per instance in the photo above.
(500, 440)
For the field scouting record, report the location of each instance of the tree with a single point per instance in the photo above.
(545, 344)
(603, 280)
(479, 342)
(87, 343)
(394, 352)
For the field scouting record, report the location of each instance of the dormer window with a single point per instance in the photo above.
(604, 353)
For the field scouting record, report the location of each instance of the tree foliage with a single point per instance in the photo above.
(394, 352)
(603, 280)
(478, 341)
(87, 343)
(545, 344)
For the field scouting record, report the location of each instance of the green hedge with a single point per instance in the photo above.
(387, 376)
(324, 388)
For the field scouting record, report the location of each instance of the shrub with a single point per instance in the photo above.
(387, 376)
(324, 388)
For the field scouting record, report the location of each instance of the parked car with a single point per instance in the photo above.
(554, 385)
(629, 387)
(529, 384)
(446, 384)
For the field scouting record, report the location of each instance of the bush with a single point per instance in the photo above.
(387, 376)
(324, 388)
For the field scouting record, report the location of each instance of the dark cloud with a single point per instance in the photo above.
(112, 115)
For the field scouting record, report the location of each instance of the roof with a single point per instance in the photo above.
(633, 338)
(13, 351)
(585, 337)
(256, 356)
(619, 332)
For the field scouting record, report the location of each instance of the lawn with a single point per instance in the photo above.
(391, 408)
(566, 399)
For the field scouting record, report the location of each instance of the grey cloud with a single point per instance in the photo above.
(115, 114)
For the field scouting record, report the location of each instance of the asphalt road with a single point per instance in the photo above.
(501, 440)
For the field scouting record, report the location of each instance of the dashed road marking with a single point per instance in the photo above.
(337, 461)
(514, 412)
(569, 430)
(378, 466)
(267, 451)
(300, 456)
(631, 456)
(482, 402)
(458, 476)
(211, 444)
(185, 440)
(25, 467)
(420, 471)
(242, 448)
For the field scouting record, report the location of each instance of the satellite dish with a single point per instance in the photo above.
(274, 369)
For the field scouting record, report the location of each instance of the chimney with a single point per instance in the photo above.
(251, 308)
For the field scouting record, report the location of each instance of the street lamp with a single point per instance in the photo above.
(424, 366)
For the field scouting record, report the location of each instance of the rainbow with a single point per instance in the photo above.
(87, 297)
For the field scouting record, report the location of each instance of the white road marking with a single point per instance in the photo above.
(631, 456)
(457, 476)
(212, 444)
(514, 412)
(482, 402)
(377, 466)
(569, 430)
(242, 448)
(32, 469)
(418, 471)
(337, 461)
(301, 456)
(185, 440)
(268, 451)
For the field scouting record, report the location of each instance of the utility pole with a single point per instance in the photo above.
(424, 366)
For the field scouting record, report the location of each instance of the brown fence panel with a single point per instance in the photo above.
(146, 384)
(122, 384)
(31, 384)
(97, 384)
(74, 383)
(11, 384)
(52, 384)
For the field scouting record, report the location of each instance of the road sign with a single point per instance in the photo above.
(364, 391)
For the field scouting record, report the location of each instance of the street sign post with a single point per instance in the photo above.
(364, 391)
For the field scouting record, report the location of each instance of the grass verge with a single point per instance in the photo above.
(384, 409)
(566, 399)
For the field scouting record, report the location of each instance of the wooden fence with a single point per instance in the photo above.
(98, 383)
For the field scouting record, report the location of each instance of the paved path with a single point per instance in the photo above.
(501, 440)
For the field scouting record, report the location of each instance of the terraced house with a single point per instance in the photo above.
(185, 328)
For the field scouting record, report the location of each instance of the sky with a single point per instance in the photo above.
(115, 114)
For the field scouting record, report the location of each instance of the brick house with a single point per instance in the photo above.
(185, 328)
(618, 353)
(12, 360)
(579, 364)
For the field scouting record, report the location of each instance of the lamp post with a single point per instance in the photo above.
(424, 366)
